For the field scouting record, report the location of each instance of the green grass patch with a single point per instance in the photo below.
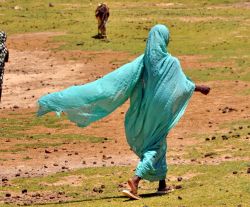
(232, 140)
(208, 186)
(18, 126)
(214, 28)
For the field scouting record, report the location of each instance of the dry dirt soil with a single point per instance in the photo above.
(33, 71)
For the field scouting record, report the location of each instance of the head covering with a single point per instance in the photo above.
(156, 105)
(158, 90)
(157, 41)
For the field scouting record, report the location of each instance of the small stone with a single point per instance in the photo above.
(179, 179)
(209, 154)
(5, 180)
(224, 137)
(47, 151)
(179, 197)
(7, 195)
(213, 137)
(178, 187)
(24, 191)
(235, 172)
(15, 107)
(96, 190)
(248, 170)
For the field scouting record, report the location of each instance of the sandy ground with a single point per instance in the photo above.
(34, 71)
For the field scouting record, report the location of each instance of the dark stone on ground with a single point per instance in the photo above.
(7, 195)
(178, 187)
(179, 179)
(24, 191)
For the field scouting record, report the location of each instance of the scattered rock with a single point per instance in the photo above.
(227, 109)
(17, 8)
(47, 151)
(5, 180)
(178, 187)
(24, 191)
(248, 170)
(17, 175)
(224, 137)
(210, 154)
(179, 198)
(79, 43)
(104, 157)
(7, 195)
(179, 179)
(235, 172)
(97, 190)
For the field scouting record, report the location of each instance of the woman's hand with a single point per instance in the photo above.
(203, 89)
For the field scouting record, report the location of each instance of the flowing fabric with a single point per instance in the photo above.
(158, 90)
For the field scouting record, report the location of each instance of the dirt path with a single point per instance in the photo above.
(33, 71)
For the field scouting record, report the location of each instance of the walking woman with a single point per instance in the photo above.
(159, 92)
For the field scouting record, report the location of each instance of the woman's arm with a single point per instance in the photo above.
(203, 89)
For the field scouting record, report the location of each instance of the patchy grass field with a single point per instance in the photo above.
(49, 161)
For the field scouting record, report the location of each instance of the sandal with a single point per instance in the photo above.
(131, 195)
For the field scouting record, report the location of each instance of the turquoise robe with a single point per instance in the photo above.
(158, 90)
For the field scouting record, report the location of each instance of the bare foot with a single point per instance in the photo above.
(133, 185)
(165, 190)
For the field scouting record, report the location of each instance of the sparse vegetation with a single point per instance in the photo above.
(214, 171)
